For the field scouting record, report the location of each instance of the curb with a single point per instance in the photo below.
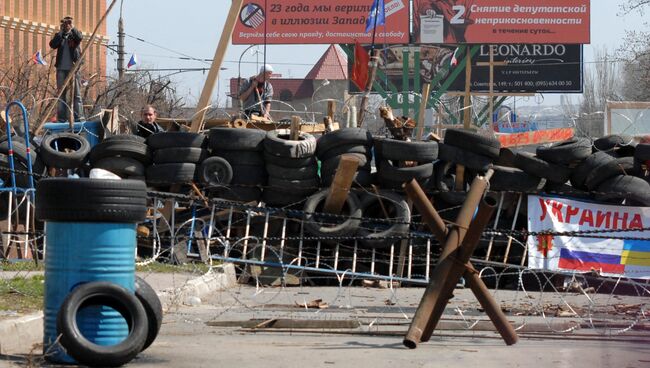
(18, 335)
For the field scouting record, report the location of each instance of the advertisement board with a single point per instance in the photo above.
(531, 68)
(501, 21)
(318, 22)
(615, 250)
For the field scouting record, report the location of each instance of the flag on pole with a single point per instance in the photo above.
(37, 58)
(133, 61)
(378, 10)
(454, 60)
(360, 67)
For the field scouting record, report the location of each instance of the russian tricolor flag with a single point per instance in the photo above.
(37, 58)
(132, 61)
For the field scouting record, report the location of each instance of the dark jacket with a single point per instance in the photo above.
(145, 130)
(74, 40)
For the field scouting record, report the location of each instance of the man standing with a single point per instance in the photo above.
(256, 93)
(67, 42)
(148, 126)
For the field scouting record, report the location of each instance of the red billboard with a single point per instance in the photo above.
(318, 22)
(501, 21)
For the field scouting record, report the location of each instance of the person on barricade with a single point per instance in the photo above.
(148, 125)
(67, 42)
(256, 93)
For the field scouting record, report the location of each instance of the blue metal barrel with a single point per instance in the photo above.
(80, 252)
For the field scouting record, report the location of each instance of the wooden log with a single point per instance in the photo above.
(294, 133)
(341, 184)
(239, 123)
(426, 89)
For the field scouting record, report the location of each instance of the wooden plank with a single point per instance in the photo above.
(331, 109)
(468, 90)
(341, 184)
(426, 89)
(294, 132)
(535, 137)
(213, 74)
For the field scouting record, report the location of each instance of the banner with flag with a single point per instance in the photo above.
(377, 10)
(610, 253)
(360, 68)
(133, 61)
(37, 58)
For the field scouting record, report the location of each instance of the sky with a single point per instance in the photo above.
(173, 30)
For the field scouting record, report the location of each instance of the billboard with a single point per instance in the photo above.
(531, 68)
(318, 22)
(501, 21)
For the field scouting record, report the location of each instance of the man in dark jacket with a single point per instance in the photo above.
(67, 42)
(148, 125)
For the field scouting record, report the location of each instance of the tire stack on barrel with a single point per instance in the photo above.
(124, 155)
(292, 167)
(175, 156)
(241, 149)
(393, 156)
(354, 142)
(64, 150)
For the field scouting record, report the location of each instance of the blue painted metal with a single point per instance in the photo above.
(88, 129)
(81, 252)
(10, 155)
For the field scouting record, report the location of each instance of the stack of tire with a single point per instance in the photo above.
(20, 162)
(292, 167)
(392, 153)
(175, 157)
(355, 142)
(124, 155)
(235, 169)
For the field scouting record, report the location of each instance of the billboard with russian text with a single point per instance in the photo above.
(318, 22)
(501, 21)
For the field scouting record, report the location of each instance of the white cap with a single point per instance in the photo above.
(266, 68)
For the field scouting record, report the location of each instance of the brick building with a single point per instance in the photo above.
(28, 25)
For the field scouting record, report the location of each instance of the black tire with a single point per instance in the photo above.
(616, 167)
(241, 157)
(306, 186)
(64, 150)
(120, 148)
(176, 139)
(168, 174)
(580, 173)
(642, 152)
(396, 150)
(179, 155)
(280, 198)
(565, 190)
(343, 149)
(121, 166)
(20, 151)
(373, 233)
(506, 157)
(277, 143)
(249, 175)
(512, 179)
(322, 225)
(404, 174)
(345, 136)
(468, 159)
(152, 306)
(329, 166)
(125, 138)
(294, 173)
(635, 191)
(239, 194)
(106, 294)
(566, 152)
(542, 169)
(473, 142)
(614, 142)
(362, 178)
(288, 162)
(229, 139)
(91, 200)
(215, 171)
(20, 164)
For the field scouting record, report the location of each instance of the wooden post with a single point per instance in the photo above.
(468, 90)
(220, 52)
(294, 134)
(73, 71)
(331, 108)
(491, 94)
(374, 62)
(426, 89)
(341, 184)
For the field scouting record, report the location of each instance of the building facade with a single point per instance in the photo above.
(27, 26)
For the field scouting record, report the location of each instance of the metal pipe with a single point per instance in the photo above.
(429, 214)
(454, 237)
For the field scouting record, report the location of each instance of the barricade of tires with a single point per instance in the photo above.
(354, 142)
(124, 155)
(175, 157)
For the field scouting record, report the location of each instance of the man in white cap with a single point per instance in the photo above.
(256, 93)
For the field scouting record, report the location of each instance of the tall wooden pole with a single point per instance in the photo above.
(74, 69)
(426, 89)
(491, 93)
(374, 62)
(213, 74)
(468, 89)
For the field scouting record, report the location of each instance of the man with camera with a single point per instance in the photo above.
(256, 93)
(67, 42)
